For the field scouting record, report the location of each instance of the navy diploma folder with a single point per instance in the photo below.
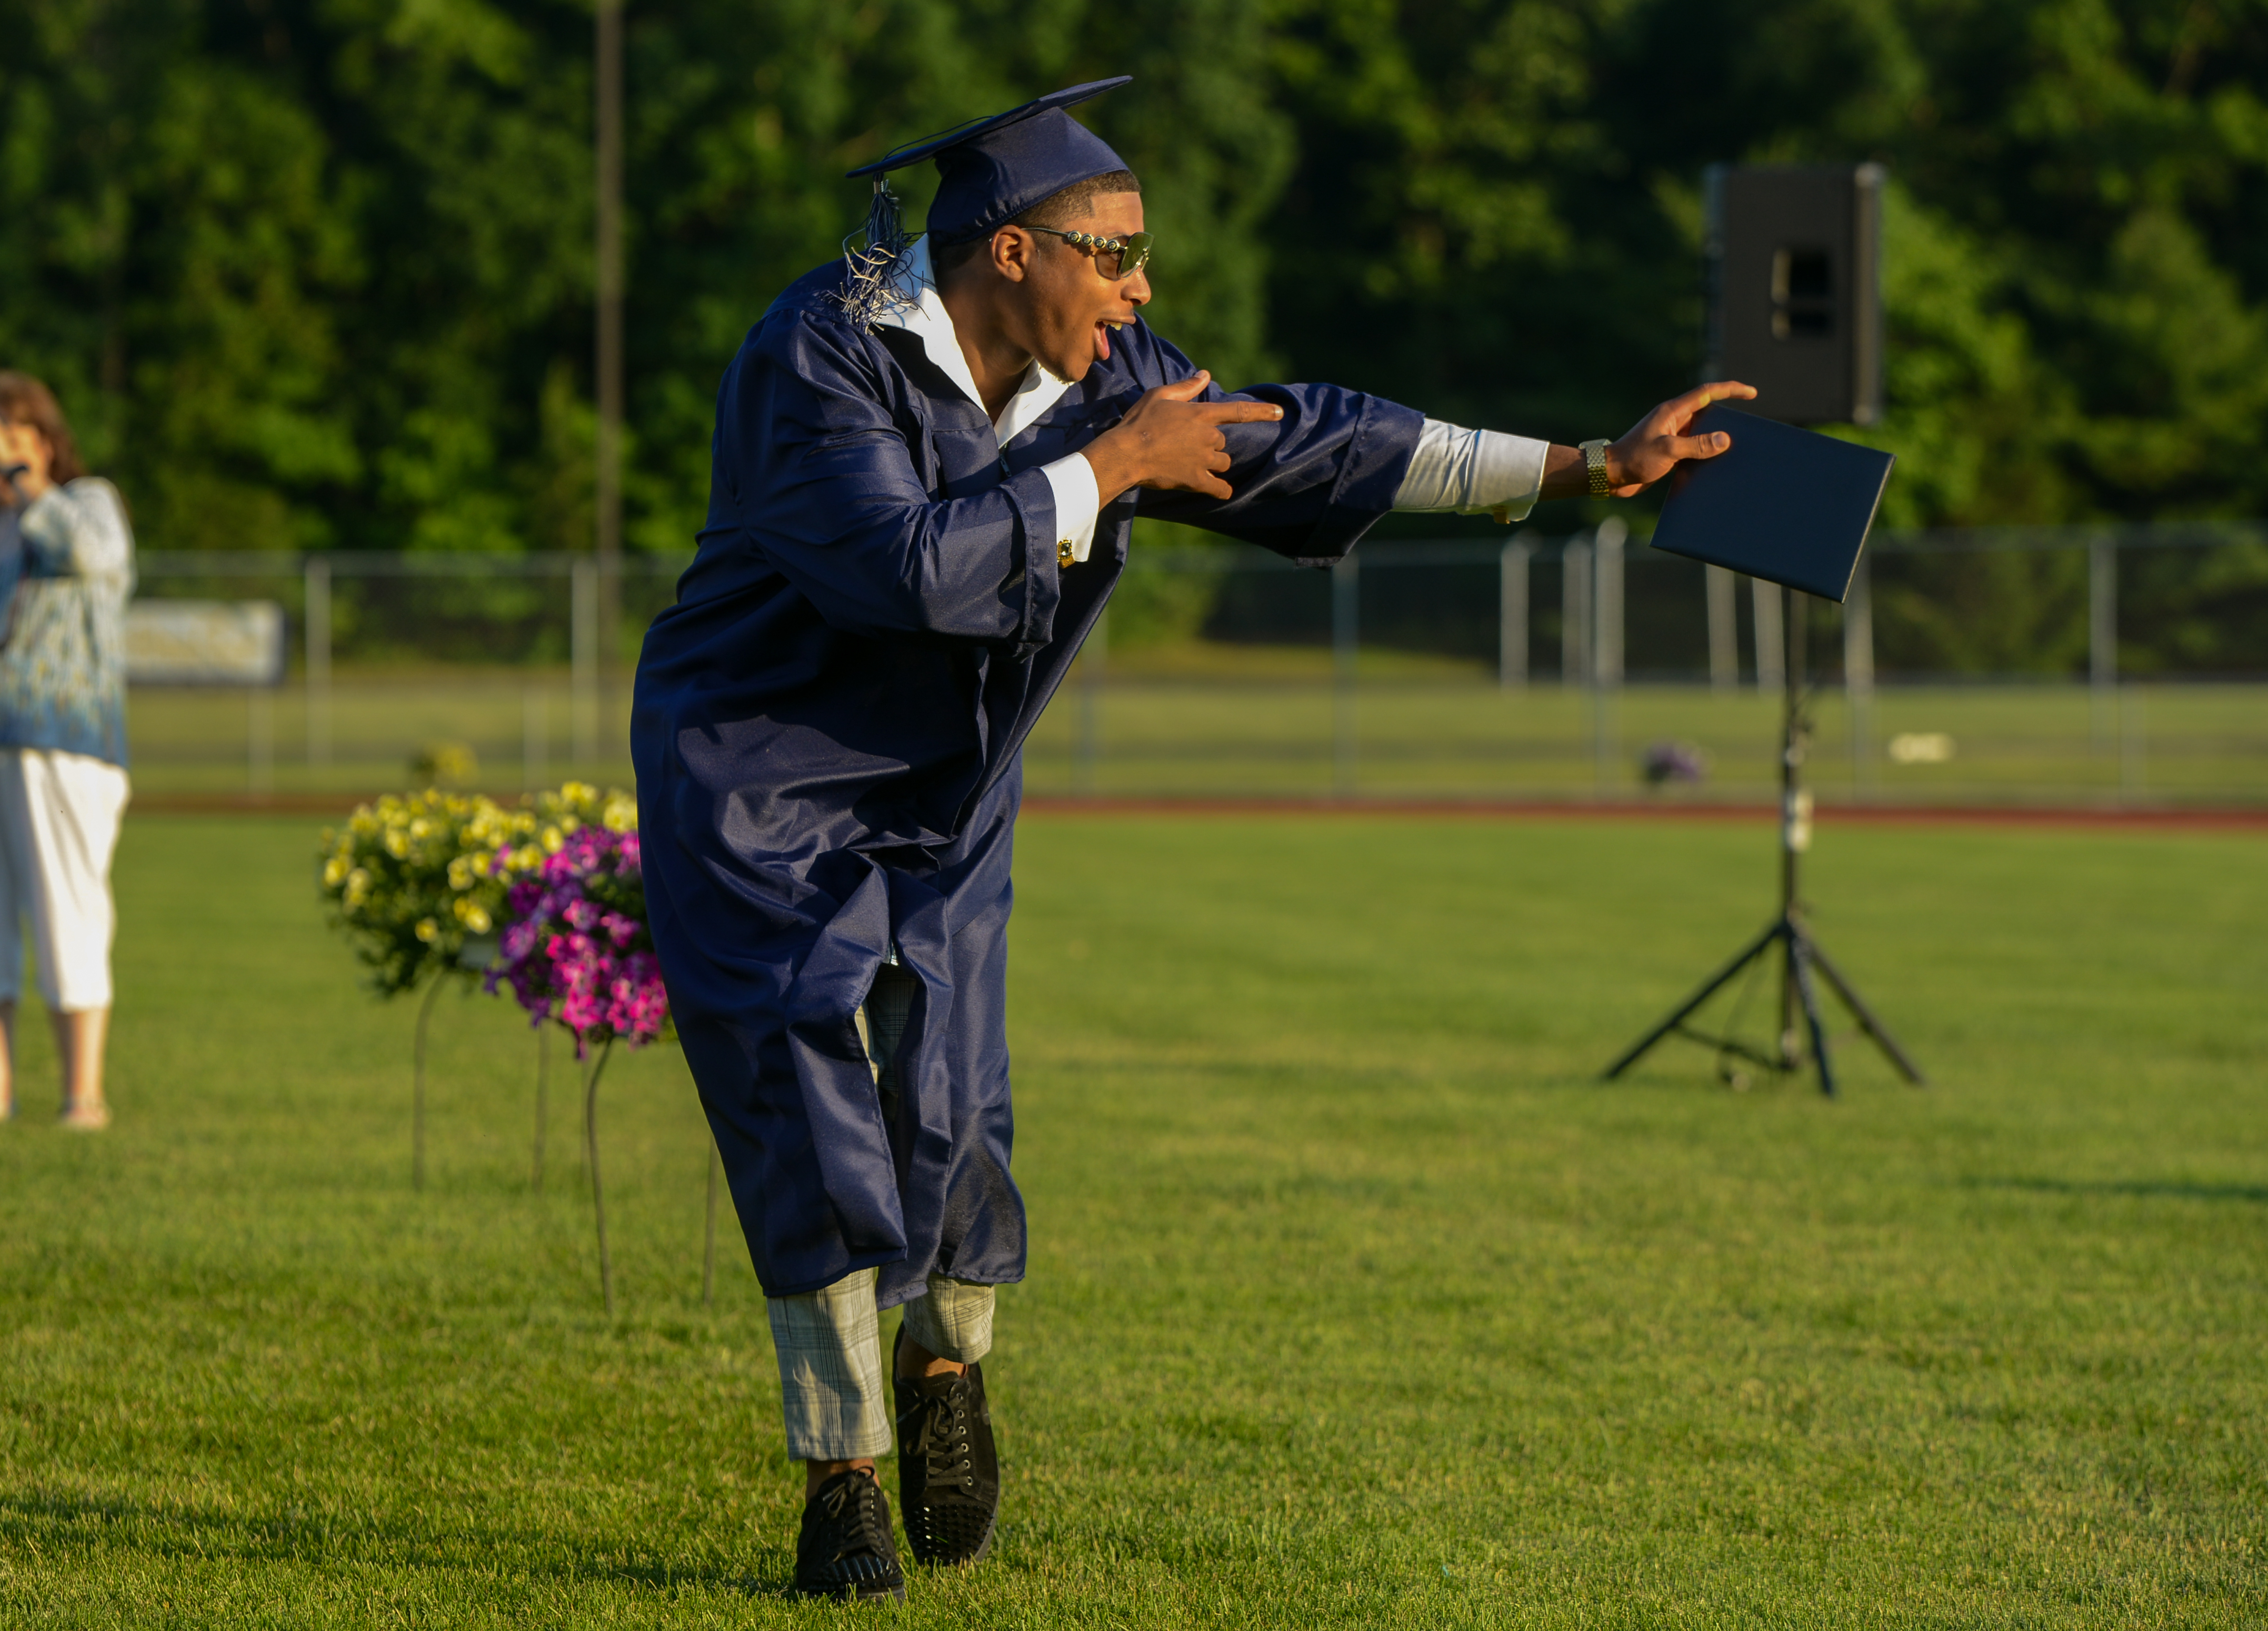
(1787, 505)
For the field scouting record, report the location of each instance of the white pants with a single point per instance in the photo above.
(59, 815)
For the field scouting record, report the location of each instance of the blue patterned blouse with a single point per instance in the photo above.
(62, 671)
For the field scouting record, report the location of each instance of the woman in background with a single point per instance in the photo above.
(63, 737)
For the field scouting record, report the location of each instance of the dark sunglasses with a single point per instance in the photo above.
(1115, 258)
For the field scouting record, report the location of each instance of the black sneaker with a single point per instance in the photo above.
(845, 1550)
(948, 1470)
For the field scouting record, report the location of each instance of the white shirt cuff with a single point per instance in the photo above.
(1471, 471)
(1078, 501)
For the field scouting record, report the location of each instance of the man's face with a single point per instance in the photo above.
(1069, 307)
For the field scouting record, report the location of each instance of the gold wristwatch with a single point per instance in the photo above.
(1595, 465)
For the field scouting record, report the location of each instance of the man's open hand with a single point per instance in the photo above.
(1169, 441)
(1650, 449)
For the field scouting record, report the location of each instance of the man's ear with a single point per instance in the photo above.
(1010, 253)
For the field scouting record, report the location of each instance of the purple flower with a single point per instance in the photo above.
(575, 947)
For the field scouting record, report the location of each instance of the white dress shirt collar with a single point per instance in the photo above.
(921, 312)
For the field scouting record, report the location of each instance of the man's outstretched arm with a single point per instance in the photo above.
(1450, 468)
(1473, 471)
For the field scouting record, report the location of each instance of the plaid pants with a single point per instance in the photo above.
(832, 1390)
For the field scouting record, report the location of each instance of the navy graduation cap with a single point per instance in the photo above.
(995, 168)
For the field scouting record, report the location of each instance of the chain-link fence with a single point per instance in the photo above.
(2053, 666)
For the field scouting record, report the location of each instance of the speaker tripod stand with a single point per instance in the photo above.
(1802, 963)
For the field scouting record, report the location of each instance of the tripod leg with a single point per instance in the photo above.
(1868, 1022)
(1709, 988)
(1799, 963)
(1791, 997)
(1790, 1000)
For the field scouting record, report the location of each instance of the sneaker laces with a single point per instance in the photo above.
(864, 1524)
(947, 1456)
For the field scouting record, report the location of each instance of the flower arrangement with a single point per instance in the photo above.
(419, 881)
(575, 946)
(409, 882)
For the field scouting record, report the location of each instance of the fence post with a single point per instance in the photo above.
(318, 636)
(1091, 657)
(1346, 630)
(2134, 744)
(1575, 613)
(584, 634)
(1512, 614)
(2102, 634)
(1772, 647)
(1724, 630)
(534, 731)
(1605, 649)
(1858, 673)
(1607, 601)
(260, 740)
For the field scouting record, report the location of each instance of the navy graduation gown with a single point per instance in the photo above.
(826, 734)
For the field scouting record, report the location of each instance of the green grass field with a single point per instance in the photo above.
(1260, 721)
(1354, 1299)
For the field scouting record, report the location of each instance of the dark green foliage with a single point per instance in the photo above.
(316, 273)
(1997, 611)
(2208, 612)
(2078, 283)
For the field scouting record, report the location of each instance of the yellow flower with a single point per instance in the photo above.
(553, 840)
(335, 872)
(428, 931)
(473, 915)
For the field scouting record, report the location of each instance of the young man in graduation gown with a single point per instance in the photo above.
(928, 458)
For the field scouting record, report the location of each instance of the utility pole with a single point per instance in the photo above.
(609, 506)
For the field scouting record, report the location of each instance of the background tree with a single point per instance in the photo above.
(317, 273)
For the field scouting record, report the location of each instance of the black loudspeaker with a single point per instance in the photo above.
(1795, 283)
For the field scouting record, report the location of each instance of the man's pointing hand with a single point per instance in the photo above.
(1168, 440)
